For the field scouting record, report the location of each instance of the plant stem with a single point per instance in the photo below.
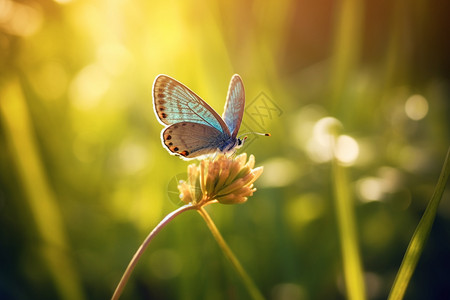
(248, 282)
(140, 251)
(353, 270)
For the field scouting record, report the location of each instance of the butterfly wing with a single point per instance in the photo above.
(190, 140)
(174, 103)
(234, 106)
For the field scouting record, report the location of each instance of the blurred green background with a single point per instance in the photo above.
(84, 177)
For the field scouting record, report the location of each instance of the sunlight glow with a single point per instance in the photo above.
(416, 107)
(358, 141)
(89, 86)
(113, 57)
(19, 19)
(132, 157)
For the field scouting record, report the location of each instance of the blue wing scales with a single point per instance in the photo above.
(174, 103)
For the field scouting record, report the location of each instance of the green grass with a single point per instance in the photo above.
(419, 238)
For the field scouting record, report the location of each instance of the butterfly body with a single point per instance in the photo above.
(193, 128)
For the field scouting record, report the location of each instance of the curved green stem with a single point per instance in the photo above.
(248, 282)
(140, 251)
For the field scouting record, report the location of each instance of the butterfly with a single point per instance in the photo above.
(193, 128)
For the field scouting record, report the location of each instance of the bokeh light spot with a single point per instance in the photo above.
(416, 107)
(289, 291)
(278, 172)
(19, 19)
(88, 87)
(302, 124)
(113, 57)
(319, 146)
(325, 130)
(304, 209)
(132, 157)
(347, 149)
(370, 189)
(374, 284)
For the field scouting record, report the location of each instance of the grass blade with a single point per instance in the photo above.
(420, 236)
(353, 271)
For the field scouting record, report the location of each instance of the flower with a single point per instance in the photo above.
(221, 179)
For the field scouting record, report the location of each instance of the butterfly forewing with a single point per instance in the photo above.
(234, 105)
(174, 103)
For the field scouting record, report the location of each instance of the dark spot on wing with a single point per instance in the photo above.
(184, 153)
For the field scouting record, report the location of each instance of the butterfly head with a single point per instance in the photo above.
(233, 146)
(240, 142)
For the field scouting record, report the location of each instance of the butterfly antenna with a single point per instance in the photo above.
(257, 133)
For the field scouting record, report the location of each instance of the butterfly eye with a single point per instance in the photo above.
(240, 142)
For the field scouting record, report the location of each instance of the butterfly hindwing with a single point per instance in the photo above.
(190, 139)
(174, 102)
(234, 105)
